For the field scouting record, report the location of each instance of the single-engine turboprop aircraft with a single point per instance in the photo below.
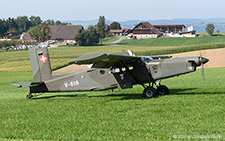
(108, 71)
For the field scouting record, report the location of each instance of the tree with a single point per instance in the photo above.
(34, 32)
(218, 31)
(50, 22)
(40, 32)
(87, 37)
(23, 23)
(115, 25)
(64, 24)
(58, 22)
(210, 29)
(101, 27)
(44, 33)
(93, 35)
(79, 37)
(3, 27)
(12, 25)
(34, 21)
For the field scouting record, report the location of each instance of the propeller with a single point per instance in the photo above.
(203, 72)
(203, 61)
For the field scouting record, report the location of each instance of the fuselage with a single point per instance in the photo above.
(119, 76)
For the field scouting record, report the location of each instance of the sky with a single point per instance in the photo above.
(117, 10)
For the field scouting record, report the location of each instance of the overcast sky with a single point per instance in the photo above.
(118, 10)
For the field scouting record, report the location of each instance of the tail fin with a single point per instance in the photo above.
(40, 64)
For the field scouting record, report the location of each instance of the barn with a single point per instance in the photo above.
(63, 34)
(144, 30)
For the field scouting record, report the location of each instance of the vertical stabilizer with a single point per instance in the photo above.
(40, 64)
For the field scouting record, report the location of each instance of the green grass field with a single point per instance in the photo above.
(192, 108)
(109, 40)
(174, 41)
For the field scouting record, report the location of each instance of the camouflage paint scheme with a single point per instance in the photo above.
(108, 71)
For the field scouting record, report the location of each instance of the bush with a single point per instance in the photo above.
(10, 43)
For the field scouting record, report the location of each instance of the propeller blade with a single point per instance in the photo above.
(203, 61)
(203, 72)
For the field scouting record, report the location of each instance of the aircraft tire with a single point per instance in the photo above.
(149, 92)
(163, 90)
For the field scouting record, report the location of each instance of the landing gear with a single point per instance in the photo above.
(149, 92)
(29, 96)
(162, 90)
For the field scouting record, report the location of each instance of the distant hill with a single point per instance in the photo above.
(198, 24)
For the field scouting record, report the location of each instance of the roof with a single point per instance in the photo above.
(147, 26)
(27, 37)
(65, 32)
(176, 25)
(12, 34)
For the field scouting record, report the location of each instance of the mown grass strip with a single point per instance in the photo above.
(174, 41)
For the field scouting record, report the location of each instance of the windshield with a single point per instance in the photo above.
(146, 59)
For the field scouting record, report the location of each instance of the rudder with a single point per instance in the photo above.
(40, 64)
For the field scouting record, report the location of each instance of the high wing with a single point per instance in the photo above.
(161, 56)
(104, 60)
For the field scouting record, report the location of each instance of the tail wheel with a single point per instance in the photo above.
(149, 92)
(29, 96)
(163, 90)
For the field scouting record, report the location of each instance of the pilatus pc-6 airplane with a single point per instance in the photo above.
(109, 71)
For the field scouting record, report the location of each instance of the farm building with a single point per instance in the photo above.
(144, 30)
(170, 28)
(63, 34)
(11, 35)
(119, 32)
(27, 38)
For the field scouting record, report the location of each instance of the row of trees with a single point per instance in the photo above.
(52, 22)
(20, 24)
(23, 24)
(92, 35)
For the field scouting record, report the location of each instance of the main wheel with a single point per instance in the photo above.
(162, 90)
(149, 92)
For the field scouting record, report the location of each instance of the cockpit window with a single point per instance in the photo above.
(146, 59)
(118, 69)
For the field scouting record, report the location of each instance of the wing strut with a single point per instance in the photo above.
(142, 84)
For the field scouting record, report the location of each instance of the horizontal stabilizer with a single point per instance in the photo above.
(26, 83)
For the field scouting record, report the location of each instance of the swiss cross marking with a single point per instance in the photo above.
(43, 58)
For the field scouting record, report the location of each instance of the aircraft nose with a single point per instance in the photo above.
(203, 60)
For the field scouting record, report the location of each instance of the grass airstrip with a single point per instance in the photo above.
(194, 109)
